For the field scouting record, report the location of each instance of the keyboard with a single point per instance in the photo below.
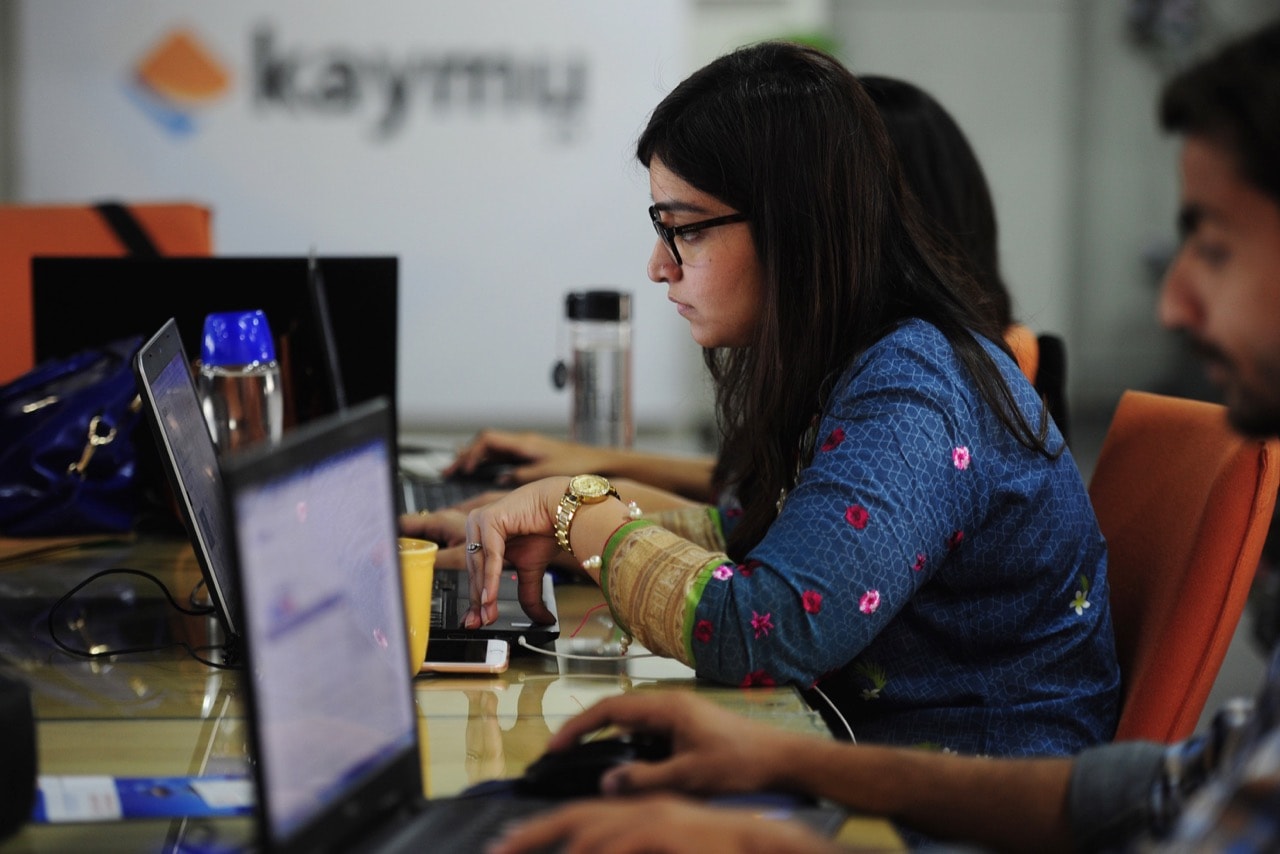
(420, 492)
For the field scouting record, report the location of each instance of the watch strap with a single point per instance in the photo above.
(568, 507)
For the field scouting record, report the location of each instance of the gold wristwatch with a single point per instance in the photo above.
(583, 489)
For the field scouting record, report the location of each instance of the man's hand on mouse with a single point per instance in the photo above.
(713, 751)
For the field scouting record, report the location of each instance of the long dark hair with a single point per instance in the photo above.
(787, 135)
(944, 175)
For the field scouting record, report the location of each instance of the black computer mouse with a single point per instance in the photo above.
(575, 772)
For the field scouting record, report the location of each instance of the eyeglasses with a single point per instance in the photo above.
(669, 233)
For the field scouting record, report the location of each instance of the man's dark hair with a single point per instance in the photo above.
(1233, 99)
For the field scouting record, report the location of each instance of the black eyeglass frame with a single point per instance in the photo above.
(669, 233)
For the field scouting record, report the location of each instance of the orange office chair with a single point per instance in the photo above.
(1185, 504)
(1025, 344)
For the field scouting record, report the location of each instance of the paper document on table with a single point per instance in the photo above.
(71, 798)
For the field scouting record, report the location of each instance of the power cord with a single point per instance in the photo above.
(520, 641)
(835, 711)
(194, 652)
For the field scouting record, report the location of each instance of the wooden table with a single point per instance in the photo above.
(165, 714)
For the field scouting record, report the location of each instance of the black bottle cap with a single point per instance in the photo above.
(598, 305)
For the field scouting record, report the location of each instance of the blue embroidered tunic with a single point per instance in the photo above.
(940, 582)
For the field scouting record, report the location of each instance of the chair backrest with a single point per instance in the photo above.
(176, 228)
(1051, 380)
(1043, 358)
(1024, 343)
(1185, 504)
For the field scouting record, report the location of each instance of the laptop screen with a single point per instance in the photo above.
(191, 461)
(324, 622)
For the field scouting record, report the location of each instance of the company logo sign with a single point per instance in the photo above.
(176, 79)
(386, 91)
(179, 77)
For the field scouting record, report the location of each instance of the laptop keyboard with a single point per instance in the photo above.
(427, 493)
(464, 824)
(444, 598)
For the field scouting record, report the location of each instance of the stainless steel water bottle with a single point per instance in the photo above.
(239, 380)
(599, 328)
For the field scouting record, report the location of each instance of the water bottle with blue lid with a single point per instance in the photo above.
(240, 380)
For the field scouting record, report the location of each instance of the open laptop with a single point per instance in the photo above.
(331, 716)
(190, 461)
(337, 762)
(191, 465)
(451, 588)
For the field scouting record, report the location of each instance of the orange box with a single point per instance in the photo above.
(176, 228)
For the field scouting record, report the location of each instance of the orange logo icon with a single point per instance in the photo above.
(180, 74)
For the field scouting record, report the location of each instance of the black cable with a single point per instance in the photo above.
(83, 653)
(195, 591)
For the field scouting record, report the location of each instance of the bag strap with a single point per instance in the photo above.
(127, 228)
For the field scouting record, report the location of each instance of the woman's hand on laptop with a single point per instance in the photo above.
(448, 528)
(526, 456)
(517, 529)
(475, 502)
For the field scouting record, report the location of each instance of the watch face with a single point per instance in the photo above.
(589, 486)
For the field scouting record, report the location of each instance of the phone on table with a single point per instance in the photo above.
(466, 656)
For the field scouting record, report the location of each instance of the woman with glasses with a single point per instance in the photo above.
(900, 526)
(942, 173)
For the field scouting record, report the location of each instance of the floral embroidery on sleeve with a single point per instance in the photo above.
(1082, 597)
(833, 441)
(723, 572)
(960, 457)
(869, 602)
(812, 601)
(757, 679)
(761, 624)
(954, 541)
(920, 562)
(702, 631)
(749, 567)
(874, 674)
(857, 516)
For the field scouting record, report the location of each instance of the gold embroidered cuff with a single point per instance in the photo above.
(650, 579)
(699, 525)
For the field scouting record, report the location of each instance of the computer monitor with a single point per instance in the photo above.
(87, 301)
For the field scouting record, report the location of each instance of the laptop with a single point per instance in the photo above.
(451, 588)
(190, 461)
(337, 763)
(191, 465)
(331, 717)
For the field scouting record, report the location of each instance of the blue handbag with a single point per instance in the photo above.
(68, 464)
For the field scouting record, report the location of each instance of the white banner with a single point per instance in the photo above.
(486, 143)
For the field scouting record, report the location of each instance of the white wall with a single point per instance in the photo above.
(1058, 101)
(496, 199)
(1020, 124)
(7, 51)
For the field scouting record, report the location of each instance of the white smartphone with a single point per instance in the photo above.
(466, 656)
